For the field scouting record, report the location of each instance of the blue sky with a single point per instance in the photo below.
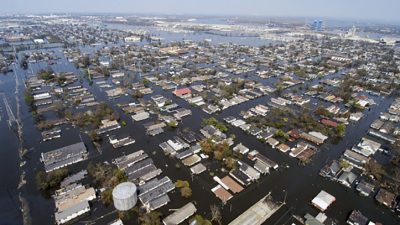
(383, 10)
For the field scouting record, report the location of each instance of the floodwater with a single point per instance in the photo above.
(297, 185)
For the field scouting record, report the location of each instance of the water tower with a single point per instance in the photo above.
(125, 196)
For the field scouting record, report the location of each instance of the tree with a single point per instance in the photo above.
(230, 163)
(186, 192)
(279, 133)
(341, 130)
(106, 197)
(214, 122)
(172, 124)
(200, 220)
(182, 183)
(95, 136)
(207, 146)
(344, 164)
(375, 169)
(321, 111)
(50, 180)
(41, 180)
(362, 72)
(151, 218)
(138, 94)
(47, 75)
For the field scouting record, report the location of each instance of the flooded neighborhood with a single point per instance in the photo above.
(120, 119)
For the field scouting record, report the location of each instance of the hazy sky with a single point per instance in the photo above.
(385, 10)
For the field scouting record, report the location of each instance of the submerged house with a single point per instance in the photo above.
(64, 156)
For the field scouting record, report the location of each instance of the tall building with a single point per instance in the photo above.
(317, 25)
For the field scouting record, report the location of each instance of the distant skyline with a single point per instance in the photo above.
(378, 10)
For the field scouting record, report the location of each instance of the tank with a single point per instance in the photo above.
(125, 196)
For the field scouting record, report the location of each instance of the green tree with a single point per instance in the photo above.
(51, 180)
(106, 197)
(182, 183)
(341, 130)
(200, 220)
(186, 192)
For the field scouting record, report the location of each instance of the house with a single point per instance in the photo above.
(265, 135)
(311, 138)
(198, 168)
(283, 147)
(231, 184)
(240, 177)
(323, 200)
(238, 123)
(300, 147)
(180, 214)
(221, 193)
(245, 127)
(356, 116)
(240, 148)
(72, 212)
(329, 123)
(272, 141)
(365, 188)
(249, 171)
(355, 159)
(310, 220)
(280, 101)
(182, 113)
(64, 156)
(210, 131)
(183, 92)
(264, 164)
(367, 147)
(72, 201)
(117, 74)
(191, 160)
(108, 125)
(347, 178)
(382, 136)
(387, 128)
(385, 197)
(139, 116)
(331, 170)
(318, 135)
(357, 218)
(198, 100)
(377, 124)
(229, 119)
(333, 109)
(112, 93)
(254, 130)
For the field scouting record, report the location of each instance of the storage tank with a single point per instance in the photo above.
(125, 196)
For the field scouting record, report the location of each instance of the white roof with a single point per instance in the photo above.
(323, 200)
(318, 135)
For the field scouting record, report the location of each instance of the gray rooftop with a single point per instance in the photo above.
(64, 156)
(63, 215)
(180, 215)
